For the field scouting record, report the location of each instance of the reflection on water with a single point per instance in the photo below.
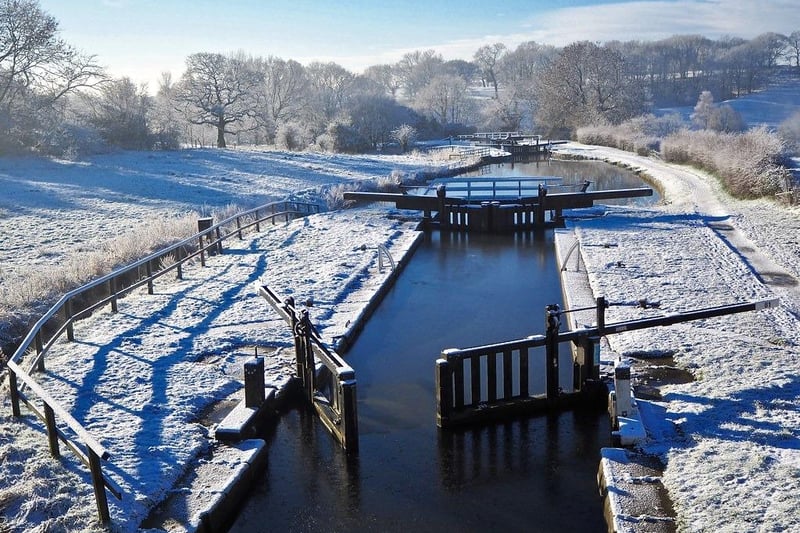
(534, 474)
(603, 176)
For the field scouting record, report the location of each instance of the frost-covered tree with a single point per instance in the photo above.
(487, 58)
(709, 116)
(726, 119)
(37, 69)
(585, 85)
(703, 109)
(329, 88)
(285, 88)
(789, 131)
(165, 123)
(444, 99)
(219, 91)
(405, 135)
(792, 51)
(120, 114)
(417, 69)
(468, 70)
(386, 76)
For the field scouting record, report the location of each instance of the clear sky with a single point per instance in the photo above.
(142, 38)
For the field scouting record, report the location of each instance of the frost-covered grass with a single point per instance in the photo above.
(66, 222)
(641, 135)
(32, 289)
(749, 164)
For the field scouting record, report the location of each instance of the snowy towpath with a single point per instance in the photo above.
(765, 236)
(732, 444)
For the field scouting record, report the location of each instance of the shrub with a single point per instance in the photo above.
(290, 137)
(71, 141)
(748, 164)
(789, 130)
(641, 135)
(341, 137)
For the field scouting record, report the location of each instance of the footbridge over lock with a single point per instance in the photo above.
(496, 204)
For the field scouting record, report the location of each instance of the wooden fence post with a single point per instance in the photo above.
(179, 255)
(219, 241)
(149, 270)
(112, 291)
(99, 485)
(203, 224)
(14, 391)
(68, 320)
(52, 430)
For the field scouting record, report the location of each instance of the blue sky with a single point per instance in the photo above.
(142, 38)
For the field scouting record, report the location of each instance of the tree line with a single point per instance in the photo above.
(59, 101)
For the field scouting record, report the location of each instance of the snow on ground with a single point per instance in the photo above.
(140, 378)
(733, 454)
(50, 209)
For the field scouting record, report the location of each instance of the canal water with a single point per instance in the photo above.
(534, 474)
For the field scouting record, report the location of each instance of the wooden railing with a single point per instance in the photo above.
(329, 384)
(80, 302)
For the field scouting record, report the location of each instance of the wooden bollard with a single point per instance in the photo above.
(254, 382)
(204, 224)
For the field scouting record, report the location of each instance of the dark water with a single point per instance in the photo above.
(536, 474)
(603, 176)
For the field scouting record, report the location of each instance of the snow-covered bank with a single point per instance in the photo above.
(139, 378)
(733, 454)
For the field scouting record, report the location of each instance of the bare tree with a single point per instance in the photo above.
(586, 85)
(164, 120)
(417, 69)
(445, 99)
(329, 85)
(285, 86)
(793, 48)
(219, 91)
(386, 76)
(120, 113)
(37, 69)
(487, 58)
(770, 47)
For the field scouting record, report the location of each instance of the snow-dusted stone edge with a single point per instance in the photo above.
(634, 499)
